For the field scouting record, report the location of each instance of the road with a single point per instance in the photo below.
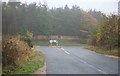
(77, 60)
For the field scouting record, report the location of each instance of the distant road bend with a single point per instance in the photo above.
(77, 60)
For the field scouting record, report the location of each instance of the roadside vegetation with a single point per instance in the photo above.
(40, 43)
(36, 62)
(70, 43)
(18, 56)
(100, 50)
(105, 38)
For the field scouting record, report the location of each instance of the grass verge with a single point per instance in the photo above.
(36, 62)
(67, 43)
(113, 52)
(62, 43)
(41, 43)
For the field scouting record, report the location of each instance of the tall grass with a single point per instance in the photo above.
(19, 57)
(100, 50)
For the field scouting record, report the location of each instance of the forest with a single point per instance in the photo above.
(98, 28)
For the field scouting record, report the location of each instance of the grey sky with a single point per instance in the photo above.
(106, 6)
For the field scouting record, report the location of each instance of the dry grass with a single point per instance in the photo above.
(15, 52)
(19, 57)
(113, 52)
(37, 61)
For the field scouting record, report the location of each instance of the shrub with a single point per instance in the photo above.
(27, 37)
(15, 51)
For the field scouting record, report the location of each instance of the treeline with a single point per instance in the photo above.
(41, 20)
(106, 35)
(101, 30)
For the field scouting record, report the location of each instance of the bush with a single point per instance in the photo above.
(37, 61)
(27, 37)
(15, 51)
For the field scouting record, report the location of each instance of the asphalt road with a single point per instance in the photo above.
(77, 60)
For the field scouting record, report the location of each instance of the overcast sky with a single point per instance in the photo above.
(106, 6)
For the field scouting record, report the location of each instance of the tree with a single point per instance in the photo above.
(41, 20)
(107, 34)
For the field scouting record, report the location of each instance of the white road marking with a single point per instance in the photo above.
(93, 67)
(86, 63)
(66, 52)
(63, 49)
